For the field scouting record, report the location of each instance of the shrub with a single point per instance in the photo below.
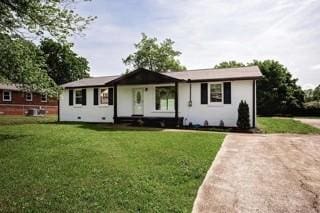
(243, 116)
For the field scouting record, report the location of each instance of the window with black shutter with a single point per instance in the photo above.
(204, 93)
(84, 97)
(95, 96)
(71, 97)
(110, 92)
(227, 92)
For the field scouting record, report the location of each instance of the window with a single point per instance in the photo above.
(29, 96)
(6, 95)
(78, 97)
(104, 96)
(216, 93)
(165, 98)
(44, 98)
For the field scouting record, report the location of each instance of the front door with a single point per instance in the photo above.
(138, 101)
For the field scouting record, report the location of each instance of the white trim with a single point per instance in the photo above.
(75, 97)
(43, 100)
(99, 96)
(28, 105)
(31, 96)
(155, 100)
(209, 93)
(10, 94)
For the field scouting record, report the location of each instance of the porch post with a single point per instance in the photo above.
(115, 104)
(176, 104)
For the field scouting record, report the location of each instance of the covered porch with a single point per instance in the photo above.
(146, 98)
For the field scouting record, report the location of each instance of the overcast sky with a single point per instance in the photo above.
(206, 32)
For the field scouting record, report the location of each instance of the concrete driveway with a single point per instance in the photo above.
(311, 121)
(263, 173)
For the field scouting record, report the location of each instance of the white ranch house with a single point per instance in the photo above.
(203, 97)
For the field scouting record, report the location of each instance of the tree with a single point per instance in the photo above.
(243, 121)
(151, 55)
(40, 17)
(21, 62)
(23, 20)
(316, 93)
(229, 64)
(277, 91)
(63, 65)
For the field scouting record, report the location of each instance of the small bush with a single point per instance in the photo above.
(243, 116)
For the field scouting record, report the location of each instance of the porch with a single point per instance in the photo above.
(146, 97)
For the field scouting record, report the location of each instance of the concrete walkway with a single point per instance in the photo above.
(263, 173)
(311, 121)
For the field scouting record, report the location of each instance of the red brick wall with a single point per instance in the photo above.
(19, 106)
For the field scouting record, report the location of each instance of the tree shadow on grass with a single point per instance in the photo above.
(109, 127)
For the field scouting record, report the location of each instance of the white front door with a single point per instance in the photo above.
(138, 101)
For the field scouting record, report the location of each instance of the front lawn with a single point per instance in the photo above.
(285, 125)
(90, 168)
(18, 119)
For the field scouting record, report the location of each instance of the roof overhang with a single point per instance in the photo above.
(143, 76)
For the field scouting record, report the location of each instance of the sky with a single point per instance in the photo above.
(207, 32)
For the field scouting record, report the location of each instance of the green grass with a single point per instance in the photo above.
(18, 119)
(89, 168)
(285, 125)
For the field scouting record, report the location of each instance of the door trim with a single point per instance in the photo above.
(133, 101)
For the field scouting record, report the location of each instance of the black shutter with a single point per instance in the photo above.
(84, 97)
(70, 97)
(227, 92)
(95, 96)
(204, 93)
(110, 96)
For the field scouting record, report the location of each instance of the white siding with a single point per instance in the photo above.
(88, 112)
(197, 113)
(125, 101)
(214, 113)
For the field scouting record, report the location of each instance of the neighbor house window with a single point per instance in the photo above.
(6, 95)
(104, 96)
(78, 97)
(44, 98)
(216, 93)
(165, 98)
(29, 96)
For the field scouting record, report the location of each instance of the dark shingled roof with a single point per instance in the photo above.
(239, 73)
(89, 82)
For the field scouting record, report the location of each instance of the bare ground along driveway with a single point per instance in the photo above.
(263, 173)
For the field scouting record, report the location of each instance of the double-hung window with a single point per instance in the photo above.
(6, 95)
(216, 93)
(29, 96)
(78, 97)
(44, 98)
(104, 96)
(165, 98)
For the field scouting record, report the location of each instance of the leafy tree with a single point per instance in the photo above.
(277, 91)
(63, 65)
(21, 62)
(40, 17)
(151, 55)
(316, 93)
(308, 95)
(29, 19)
(243, 121)
(229, 64)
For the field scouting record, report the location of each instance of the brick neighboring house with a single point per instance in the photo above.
(14, 101)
